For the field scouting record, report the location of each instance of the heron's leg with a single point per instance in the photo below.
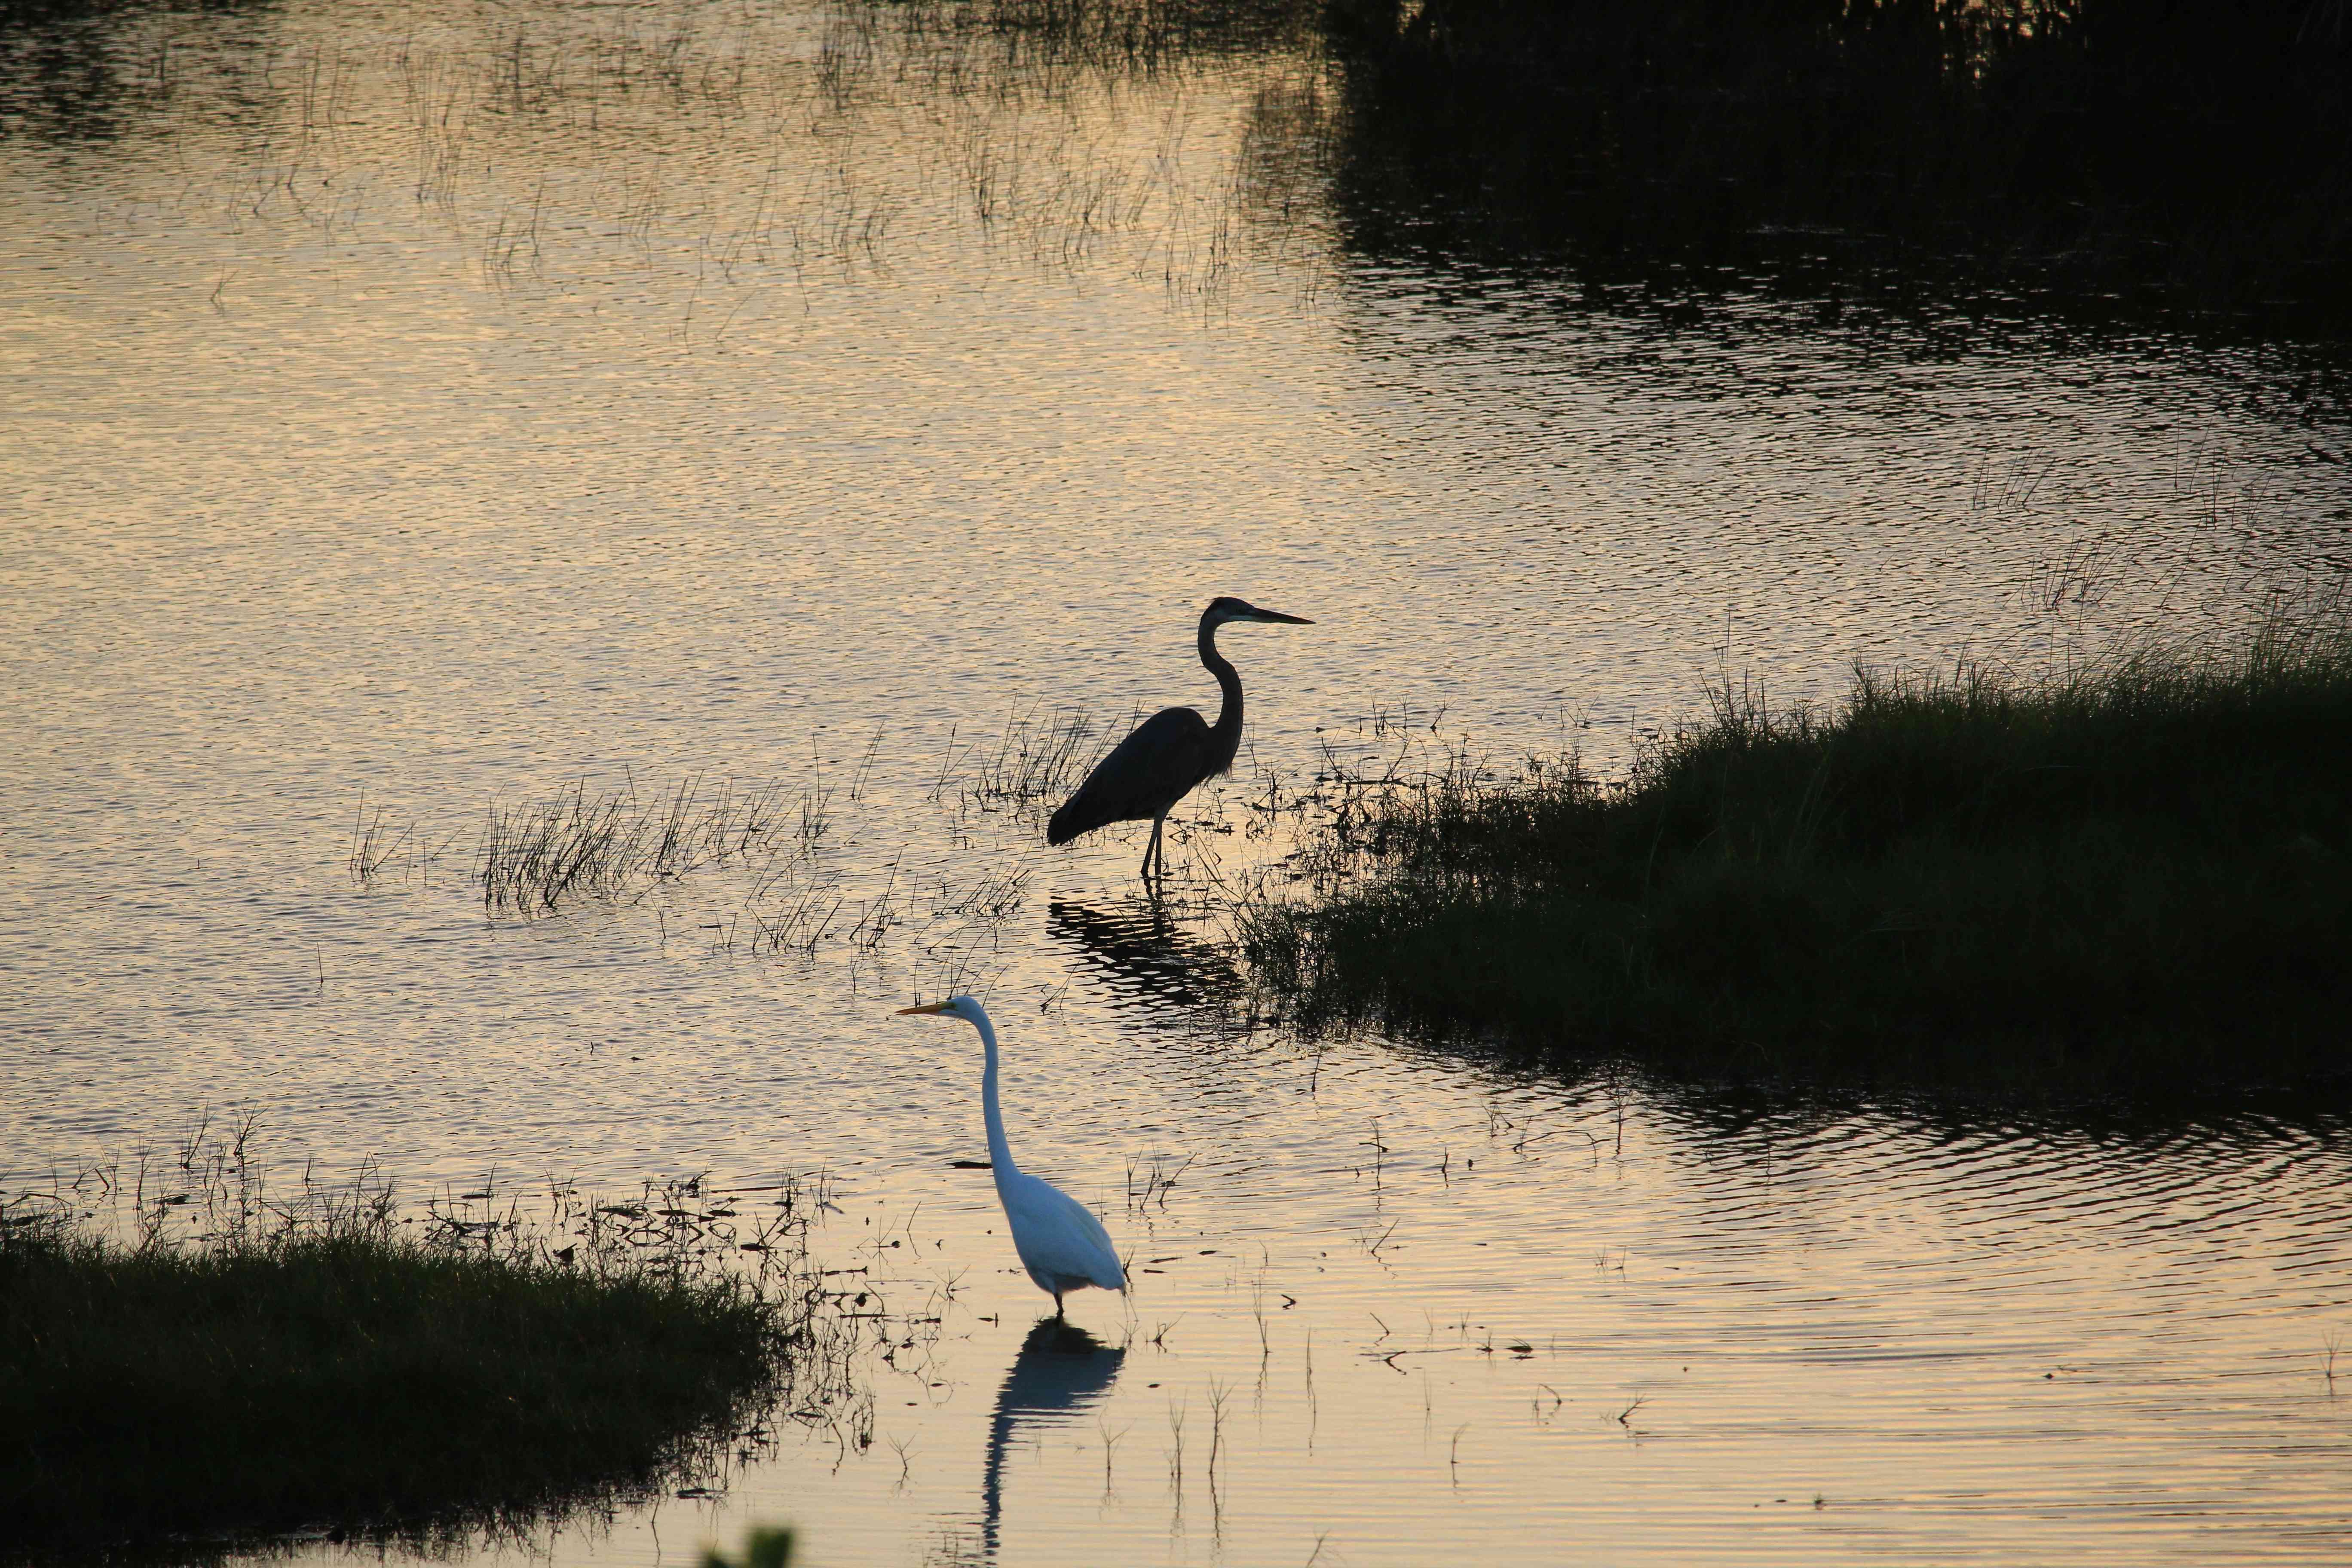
(1057, 1303)
(1153, 851)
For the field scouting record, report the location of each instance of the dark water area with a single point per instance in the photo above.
(2102, 160)
(414, 416)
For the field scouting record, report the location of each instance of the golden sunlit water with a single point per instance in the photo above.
(412, 411)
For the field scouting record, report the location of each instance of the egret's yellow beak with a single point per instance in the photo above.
(934, 1007)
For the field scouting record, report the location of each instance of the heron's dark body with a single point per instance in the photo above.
(1164, 760)
(1161, 763)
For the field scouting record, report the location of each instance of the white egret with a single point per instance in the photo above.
(1062, 1244)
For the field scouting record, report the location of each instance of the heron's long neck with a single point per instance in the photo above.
(1228, 730)
(1000, 1153)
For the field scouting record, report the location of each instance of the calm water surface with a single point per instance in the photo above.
(423, 408)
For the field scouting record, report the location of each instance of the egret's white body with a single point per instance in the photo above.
(1062, 1244)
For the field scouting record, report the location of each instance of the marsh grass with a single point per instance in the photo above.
(1124, 36)
(222, 1364)
(383, 848)
(1038, 760)
(537, 860)
(2131, 873)
(1063, 134)
(800, 906)
(375, 844)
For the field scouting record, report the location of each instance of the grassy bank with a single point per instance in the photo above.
(340, 1369)
(2134, 876)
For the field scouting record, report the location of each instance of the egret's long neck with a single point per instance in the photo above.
(1000, 1153)
(1228, 730)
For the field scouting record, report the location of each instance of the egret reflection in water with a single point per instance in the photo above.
(1060, 1370)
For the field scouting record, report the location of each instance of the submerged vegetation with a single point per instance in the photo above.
(236, 1368)
(2132, 873)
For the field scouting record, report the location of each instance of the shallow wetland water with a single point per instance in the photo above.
(412, 412)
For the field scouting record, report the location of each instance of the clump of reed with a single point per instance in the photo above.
(1038, 759)
(2129, 873)
(536, 859)
(227, 1362)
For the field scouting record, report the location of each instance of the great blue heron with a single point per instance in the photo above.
(1062, 1244)
(1169, 754)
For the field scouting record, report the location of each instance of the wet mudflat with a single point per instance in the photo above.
(421, 419)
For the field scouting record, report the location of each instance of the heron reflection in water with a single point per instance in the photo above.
(1153, 967)
(1060, 1370)
(1169, 755)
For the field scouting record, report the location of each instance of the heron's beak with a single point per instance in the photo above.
(1276, 615)
(934, 1007)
